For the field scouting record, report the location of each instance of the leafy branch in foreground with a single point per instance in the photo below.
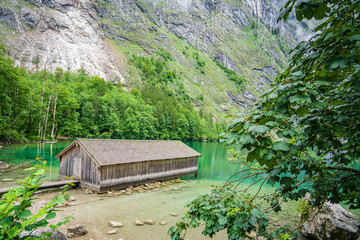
(15, 214)
(304, 131)
(237, 211)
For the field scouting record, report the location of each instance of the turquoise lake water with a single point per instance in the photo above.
(212, 164)
(214, 169)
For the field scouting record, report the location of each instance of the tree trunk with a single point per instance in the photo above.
(30, 117)
(57, 132)
(42, 102)
(54, 115)
(15, 106)
(54, 108)
(46, 119)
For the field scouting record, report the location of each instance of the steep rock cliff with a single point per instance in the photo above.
(100, 35)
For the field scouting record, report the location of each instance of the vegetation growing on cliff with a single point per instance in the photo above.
(304, 133)
(43, 105)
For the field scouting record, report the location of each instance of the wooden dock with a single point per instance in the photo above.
(46, 185)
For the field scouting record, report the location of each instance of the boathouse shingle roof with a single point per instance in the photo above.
(110, 152)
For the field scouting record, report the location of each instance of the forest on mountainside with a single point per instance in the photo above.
(44, 105)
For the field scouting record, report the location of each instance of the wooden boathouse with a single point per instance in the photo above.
(105, 164)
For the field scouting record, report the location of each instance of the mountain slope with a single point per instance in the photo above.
(226, 52)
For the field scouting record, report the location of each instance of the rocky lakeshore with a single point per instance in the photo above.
(142, 212)
(139, 212)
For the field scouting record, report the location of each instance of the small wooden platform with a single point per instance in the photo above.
(46, 185)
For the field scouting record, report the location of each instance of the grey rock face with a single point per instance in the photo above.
(195, 21)
(8, 17)
(270, 70)
(70, 35)
(78, 230)
(226, 61)
(332, 222)
(236, 100)
(37, 3)
(31, 18)
(269, 14)
(85, 34)
(263, 83)
(63, 33)
(56, 235)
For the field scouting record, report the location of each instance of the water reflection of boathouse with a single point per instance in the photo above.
(102, 164)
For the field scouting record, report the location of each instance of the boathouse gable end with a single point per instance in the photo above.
(114, 164)
(75, 162)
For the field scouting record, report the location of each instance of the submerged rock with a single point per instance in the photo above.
(331, 222)
(112, 232)
(163, 223)
(174, 214)
(78, 230)
(3, 165)
(88, 191)
(149, 222)
(139, 222)
(115, 224)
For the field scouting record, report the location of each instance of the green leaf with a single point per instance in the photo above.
(287, 181)
(41, 223)
(222, 220)
(308, 12)
(300, 99)
(280, 146)
(251, 156)
(339, 62)
(272, 180)
(25, 214)
(320, 11)
(246, 139)
(50, 215)
(288, 133)
(40, 171)
(355, 37)
(272, 124)
(322, 83)
(260, 152)
(52, 226)
(236, 121)
(259, 129)
(318, 104)
(302, 111)
(293, 149)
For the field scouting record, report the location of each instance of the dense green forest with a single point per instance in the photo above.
(44, 105)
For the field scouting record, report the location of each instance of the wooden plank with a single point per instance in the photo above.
(58, 184)
(46, 185)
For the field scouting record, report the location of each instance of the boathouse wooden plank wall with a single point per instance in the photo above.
(129, 165)
(89, 174)
(135, 173)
